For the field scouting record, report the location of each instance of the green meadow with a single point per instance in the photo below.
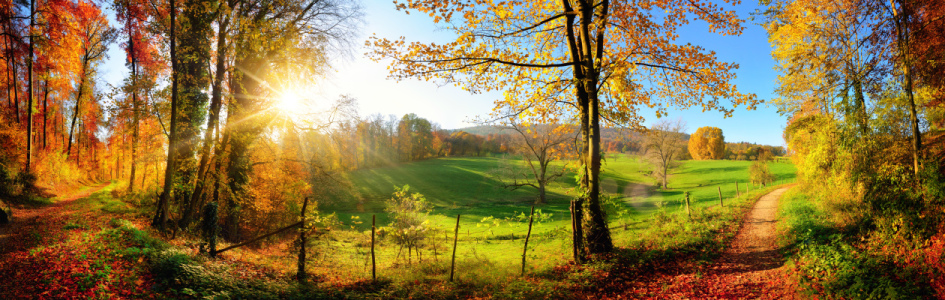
(490, 233)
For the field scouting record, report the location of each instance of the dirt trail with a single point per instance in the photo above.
(30, 225)
(751, 268)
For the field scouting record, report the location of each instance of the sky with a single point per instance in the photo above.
(356, 76)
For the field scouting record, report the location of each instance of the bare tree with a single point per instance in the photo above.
(663, 145)
(539, 146)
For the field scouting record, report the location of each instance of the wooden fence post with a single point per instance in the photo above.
(209, 225)
(373, 261)
(301, 275)
(531, 217)
(737, 192)
(577, 232)
(720, 197)
(455, 238)
(688, 212)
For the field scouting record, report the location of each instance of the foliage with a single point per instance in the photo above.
(409, 227)
(833, 263)
(707, 143)
(759, 173)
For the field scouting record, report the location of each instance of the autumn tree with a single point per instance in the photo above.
(93, 36)
(847, 73)
(539, 145)
(29, 86)
(270, 46)
(707, 143)
(663, 145)
(581, 58)
(139, 49)
(759, 172)
(414, 137)
(927, 44)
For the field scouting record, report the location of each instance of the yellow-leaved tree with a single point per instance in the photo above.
(707, 143)
(595, 60)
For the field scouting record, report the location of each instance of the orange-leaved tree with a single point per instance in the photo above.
(591, 59)
(707, 143)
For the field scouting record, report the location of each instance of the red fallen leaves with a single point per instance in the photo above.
(44, 260)
(63, 272)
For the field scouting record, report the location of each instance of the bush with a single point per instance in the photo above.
(409, 227)
(839, 270)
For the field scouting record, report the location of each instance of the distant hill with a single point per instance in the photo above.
(485, 130)
(607, 133)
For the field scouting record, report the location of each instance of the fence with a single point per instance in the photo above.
(367, 261)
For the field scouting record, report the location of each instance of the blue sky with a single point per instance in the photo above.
(452, 107)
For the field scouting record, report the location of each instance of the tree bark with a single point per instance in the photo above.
(597, 234)
(134, 112)
(78, 102)
(197, 197)
(45, 109)
(903, 43)
(29, 90)
(160, 218)
(13, 75)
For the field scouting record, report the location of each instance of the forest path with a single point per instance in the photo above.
(40, 255)
(31, 225)
(751, 268)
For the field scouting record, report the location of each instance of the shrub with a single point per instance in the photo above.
(409, 226)
(759, 173)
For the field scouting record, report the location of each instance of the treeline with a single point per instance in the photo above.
(51, 114)
(751, 151)
(379, 140)
(628, 142)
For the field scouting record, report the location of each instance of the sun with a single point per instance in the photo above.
(291, 103)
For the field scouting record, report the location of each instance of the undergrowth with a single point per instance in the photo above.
(838, 259)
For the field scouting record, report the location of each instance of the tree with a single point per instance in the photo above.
(139, 50)
(540, 146)
(93, 37)
(408, 224)
(29, 89)
(414, 137)
(758, 172)
(581, 58)
(664, 143)
(274, 43)
(160, 215)
(928, 45)
(844, 63)
(707, 143)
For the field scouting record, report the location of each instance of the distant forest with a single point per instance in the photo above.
(622, 140)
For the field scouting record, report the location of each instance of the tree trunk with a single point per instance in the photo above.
(45, 108)
(134, 113)
(197, 197)
(903, 37)
(597, 234)
(160, 217)
(665, 171)
(78, 102)
(13, 80)
(29, 91)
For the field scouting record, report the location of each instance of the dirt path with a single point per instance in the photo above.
(751, 268)
(30, 225)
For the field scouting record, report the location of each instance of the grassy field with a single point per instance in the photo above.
(649, 227)
(462, 185)
(490, 240)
